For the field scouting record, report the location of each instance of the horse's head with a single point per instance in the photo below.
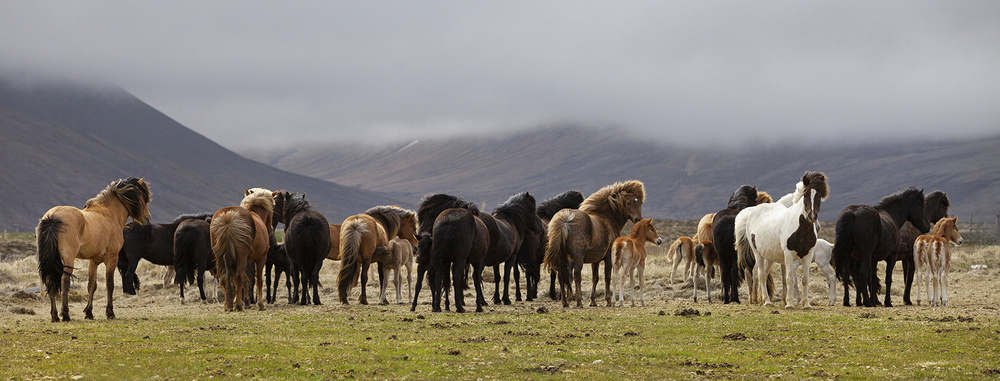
(744, 196)
(408, 229)
(651, 235)
(948, 228)
(135, 195)
(813, 190)
(280, 196)
(628, 198)
(914, 204)
(936, 206)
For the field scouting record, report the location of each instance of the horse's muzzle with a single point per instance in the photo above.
(659, 241)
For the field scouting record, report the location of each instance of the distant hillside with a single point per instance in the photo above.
(681, 182)
(63, 142)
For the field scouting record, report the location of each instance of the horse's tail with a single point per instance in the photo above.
(744, 253)
(671, 252)
(229, 234)
(50, 264)
(556, 258)
(526, 255)
(699, 256)
(351, 233)
(185, 239)
(841, 259)
(617, 251)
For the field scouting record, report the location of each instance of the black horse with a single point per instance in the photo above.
(193, 255)
(152, 242)
(510, 222)
(936, 206)
(307, 240)
(866, 235)
(429, 210)
(460, 238)
(277, 260)
(532, 251)
(724, 237)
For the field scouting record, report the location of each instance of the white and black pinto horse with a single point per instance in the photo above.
(773, 233)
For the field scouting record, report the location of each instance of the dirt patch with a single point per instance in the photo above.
(736, 336)
(12, 250)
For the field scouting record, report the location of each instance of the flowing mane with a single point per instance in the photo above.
(517, 209)
(433, 205)
(898, 196)
(132, 192)
(743, 197)
(184, 217)
(764, 198)
(390, 216)
(259, 197)
(569, 199)
(812, 181)
(610, 198)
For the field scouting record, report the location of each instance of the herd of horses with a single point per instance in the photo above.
(452, 238)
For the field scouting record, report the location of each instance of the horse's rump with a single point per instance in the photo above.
(232, 231)
(189, 238)
(565, 223)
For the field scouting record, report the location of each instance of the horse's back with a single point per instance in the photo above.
(705, 227)
(308, 237)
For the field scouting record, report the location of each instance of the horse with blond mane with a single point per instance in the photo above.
(585, 235)
(364, 238)
(240, 236)
(65, 233)
(932, 251)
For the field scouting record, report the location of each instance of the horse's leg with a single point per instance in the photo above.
(496, 284)
(260, 283)
(578, 280)
(421, 270)
(294, 271)
(91, 287)
(907, 279)
(200, 277)
(365, 264)
(458, 272)
(945, 266)
(789, 268)
(642, 284)
(109, 273)
(553, 275)
(477, 280)
(677, 262)
(383, 285)
(517, 283)
(267, 282)
(708, 283)
(595, 270)
(506, 281)
(129, 278)
(761, 268)
(303, 299)
(631, 283)
(917, 273)
(889, 265)
(831, 281)
(168, 276)
(805, 280)
(409, 281)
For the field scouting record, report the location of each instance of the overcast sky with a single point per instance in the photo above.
(256, 74)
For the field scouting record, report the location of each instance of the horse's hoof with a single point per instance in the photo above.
(89, 317)
(888, 305)
(383, 303)
(506, 302)
(479, 309)
(462, 310)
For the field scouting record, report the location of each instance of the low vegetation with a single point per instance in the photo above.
(156, 337)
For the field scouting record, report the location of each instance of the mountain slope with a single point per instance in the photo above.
(63, 142)
(681, 182)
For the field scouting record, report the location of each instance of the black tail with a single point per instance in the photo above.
(841, 259)
(50, 264)
(185, 239)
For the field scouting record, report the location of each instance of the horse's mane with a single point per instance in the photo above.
(259, 197)
(133, 193)
(743, 197)
(519, 209)
(184, 217)
(899, 196)
(938, 197)
(938, 229)
(432, 205)
(764, 198)
(611, 197)
(390, 216)
(812, 181)
(570, 199)
(292, 204)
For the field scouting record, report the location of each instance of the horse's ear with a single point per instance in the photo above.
(303, 195)
(246, 192)
(805, 179)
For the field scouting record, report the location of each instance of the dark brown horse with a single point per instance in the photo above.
(193, 254)
(307, 240)
(866, 235)
(93, 233)
(532, 252)
(152, 242)
(510, 222)
(936, 206)
(724, 238)
(427, 213)
(585, 235)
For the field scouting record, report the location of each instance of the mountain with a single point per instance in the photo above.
(682, 182)
(62, 142)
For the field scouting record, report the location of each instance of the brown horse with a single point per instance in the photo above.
(240, 236)
(705, 228)
(334, 253)
(361, 235)
(585, 235)
(400, 255)
(630, 254)
(93, 233)
(707, 259)
(932, 250)
(682, 250)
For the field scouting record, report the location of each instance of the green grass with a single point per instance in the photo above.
(198, 341)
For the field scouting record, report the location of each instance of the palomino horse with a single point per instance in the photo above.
(361, 236)
(240, 236)
(400, 255)
(307, 240)
(866, 235)
(629, 255)
(724, 238)
(509, 223)
(570, 199)
(682, 250)
(152, 242)
(707, 259)
(932, 251)
(585, 235)
(93, 233)
(427, 213)
(773, 232)
(936, 206)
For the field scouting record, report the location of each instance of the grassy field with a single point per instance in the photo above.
(155, 337)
